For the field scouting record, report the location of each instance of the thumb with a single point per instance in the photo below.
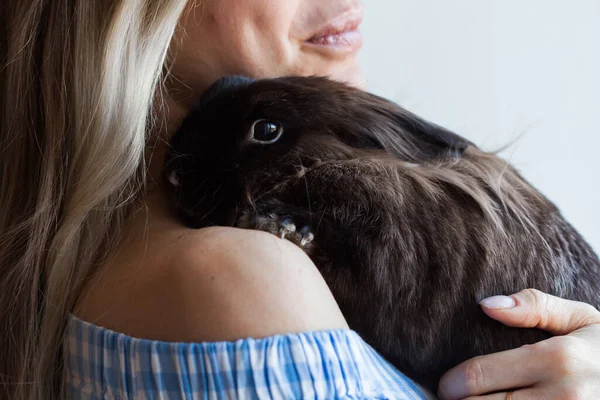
(531, 308)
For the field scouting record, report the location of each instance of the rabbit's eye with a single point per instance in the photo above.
(265, 132)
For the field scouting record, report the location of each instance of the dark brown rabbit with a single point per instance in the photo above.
(410, 224)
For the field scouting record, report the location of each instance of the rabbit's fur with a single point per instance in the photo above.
(409, 224)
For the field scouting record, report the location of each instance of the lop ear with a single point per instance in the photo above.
(408, 135)
(429, 140)
(383, 124)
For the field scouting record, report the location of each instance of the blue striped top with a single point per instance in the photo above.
(331, 364)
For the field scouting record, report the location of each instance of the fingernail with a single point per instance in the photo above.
(452, 386)
(498, 302)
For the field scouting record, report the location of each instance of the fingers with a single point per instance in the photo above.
(521, 395)
(538, 393)
(531, 308)
(515, 368)
(564, 365)
(561, 367)
(496, 396)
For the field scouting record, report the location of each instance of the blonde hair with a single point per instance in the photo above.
(77, 82)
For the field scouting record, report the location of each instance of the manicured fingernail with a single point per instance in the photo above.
(498, 302)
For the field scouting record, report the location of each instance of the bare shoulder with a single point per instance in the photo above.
(179, 284)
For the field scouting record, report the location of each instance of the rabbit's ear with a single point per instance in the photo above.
(430, 140)
(386, 125)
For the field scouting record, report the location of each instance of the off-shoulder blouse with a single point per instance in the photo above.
(329, 364)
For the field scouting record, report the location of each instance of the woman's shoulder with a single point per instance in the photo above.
(171, 283)
(173, 297)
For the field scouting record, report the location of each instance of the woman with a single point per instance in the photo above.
(91, 91)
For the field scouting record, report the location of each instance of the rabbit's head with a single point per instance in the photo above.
(245, 132)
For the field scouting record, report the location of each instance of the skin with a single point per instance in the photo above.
(260, 39)
(167, 282)
(563, 367)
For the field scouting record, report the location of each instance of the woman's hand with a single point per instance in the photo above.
(566, 366)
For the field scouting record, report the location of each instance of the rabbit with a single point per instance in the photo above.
(410, 225)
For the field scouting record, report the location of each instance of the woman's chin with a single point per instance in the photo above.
(352, 75)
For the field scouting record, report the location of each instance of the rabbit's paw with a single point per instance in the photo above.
(284, 226)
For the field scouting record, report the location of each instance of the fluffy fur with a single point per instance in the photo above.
(409, 224)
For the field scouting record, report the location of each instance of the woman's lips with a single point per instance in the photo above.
(341, 34)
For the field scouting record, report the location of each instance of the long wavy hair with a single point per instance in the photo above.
(78, 80)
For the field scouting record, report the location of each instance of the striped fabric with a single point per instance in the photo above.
(334, 364)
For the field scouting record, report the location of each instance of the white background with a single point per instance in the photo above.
(525, 72)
